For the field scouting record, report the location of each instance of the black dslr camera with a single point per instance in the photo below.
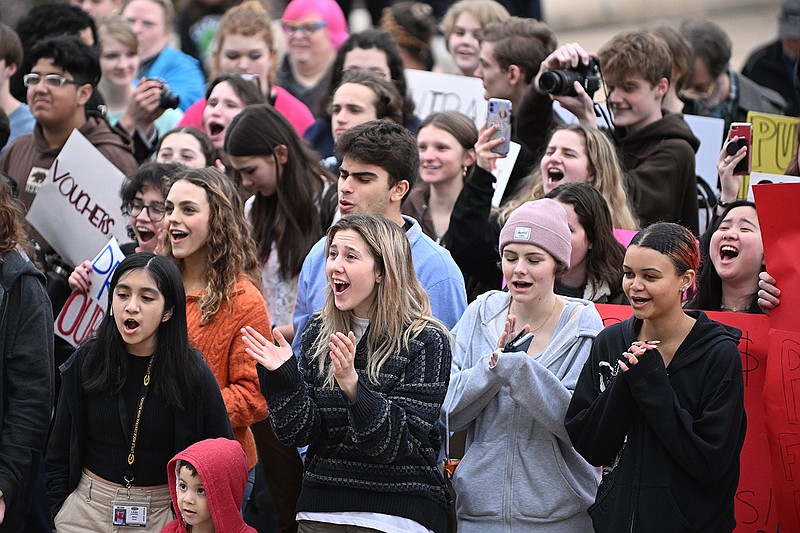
(560, 82)
(167, 99)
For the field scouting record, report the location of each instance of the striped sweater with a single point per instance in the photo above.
(220, 342)
(380, 453)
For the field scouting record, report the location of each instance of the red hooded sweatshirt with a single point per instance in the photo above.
(222, 467)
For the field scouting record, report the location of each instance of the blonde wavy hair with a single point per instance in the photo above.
(605, 175)
(401, 308)
(230, 245)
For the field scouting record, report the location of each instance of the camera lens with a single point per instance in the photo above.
(168, 99)
(559, 82)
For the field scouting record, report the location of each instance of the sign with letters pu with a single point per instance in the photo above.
(77, 208)
(774, 141)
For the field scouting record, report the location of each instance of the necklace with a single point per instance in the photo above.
(734, 309)
(546, 320)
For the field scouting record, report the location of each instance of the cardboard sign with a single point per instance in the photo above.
(77, 208)
(774, 141)
(755, 498)
(433, 92)
(83, 311)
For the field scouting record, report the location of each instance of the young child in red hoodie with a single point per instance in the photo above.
(207, 482)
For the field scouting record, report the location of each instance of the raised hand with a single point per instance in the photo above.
(265, 352)
(343, 353)
(79, 279)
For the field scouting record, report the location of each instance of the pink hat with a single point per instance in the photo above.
(543, 223)
(330, 12)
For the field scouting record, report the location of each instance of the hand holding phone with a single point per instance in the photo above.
(499, 117)
(520, 343)
(740, 135)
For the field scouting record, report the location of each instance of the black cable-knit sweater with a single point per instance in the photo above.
(379, 454)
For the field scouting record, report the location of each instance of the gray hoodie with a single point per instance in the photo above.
(519, 471)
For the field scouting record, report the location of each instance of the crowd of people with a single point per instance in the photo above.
(323, 289)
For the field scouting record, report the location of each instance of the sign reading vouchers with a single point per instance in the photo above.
(83, 311)
(77, 208)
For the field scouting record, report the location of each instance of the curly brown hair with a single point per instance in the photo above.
(12, 223)
(231, 249)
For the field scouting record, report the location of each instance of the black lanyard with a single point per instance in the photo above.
(134, 433)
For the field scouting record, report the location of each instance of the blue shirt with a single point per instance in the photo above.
(180, 71)
(436, 271)
(20, 121)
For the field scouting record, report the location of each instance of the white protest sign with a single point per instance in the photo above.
(762, 178)
(77, 208)
(83, 311)
(433, 92)
(710, 131)
(502, 172)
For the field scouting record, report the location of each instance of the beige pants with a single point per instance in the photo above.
(89, 508)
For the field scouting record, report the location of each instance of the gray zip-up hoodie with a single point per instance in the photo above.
(519, 471)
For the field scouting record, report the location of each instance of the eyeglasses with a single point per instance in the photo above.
(306, 29)
(155, 211)
(51, 80)
(709, 97)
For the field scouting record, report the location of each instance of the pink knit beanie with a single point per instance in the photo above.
(543, 223)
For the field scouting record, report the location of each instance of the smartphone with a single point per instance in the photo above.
(499, 116)
(744, 132)
(520, 343)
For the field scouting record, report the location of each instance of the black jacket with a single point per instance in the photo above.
(668, 438)
(770, 67)
(205, 418)
(26, 381)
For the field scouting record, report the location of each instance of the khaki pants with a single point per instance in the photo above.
(310, 526)
(88, 508)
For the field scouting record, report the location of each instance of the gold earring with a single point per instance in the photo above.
(464, 173)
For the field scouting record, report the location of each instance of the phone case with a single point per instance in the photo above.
(499, 116)
(743, 130)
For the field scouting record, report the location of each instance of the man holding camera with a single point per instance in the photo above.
(64, 74)
(657, 149)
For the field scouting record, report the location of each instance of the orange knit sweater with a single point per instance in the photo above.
(220, 342)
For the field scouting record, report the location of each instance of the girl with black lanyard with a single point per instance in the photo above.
(133, 396)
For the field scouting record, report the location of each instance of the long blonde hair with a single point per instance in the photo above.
(401, 306)
(605, 175)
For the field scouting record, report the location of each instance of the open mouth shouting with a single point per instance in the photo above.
(130, 326)
(728, 252)
(638, 302)
(554, 175)
(339, 286)
(177, 236)
(144, 235)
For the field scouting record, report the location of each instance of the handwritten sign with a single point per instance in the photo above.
(755, 498)
(77, 208)
(433, 92)
(774, 141)
(83, 311)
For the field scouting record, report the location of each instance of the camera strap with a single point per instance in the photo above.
(134, 431)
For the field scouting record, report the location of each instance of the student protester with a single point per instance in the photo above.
(376, 52)
(208, 237)
(136, 109)
(461, 26)
(245, 45)
(153, 22)
(366, 393)
(574, 154)
(380, 164)
(510, 56)
(412, 26)
(226, 96)
(187, 146)
(359, 98)
(314, 30)
(206, 482)
(64, 75)
(131, 397)
(660, 402)
(19, 115)
(293, 203)
(636, 66)
(512, 401)
(446, 144)
(26, 359)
